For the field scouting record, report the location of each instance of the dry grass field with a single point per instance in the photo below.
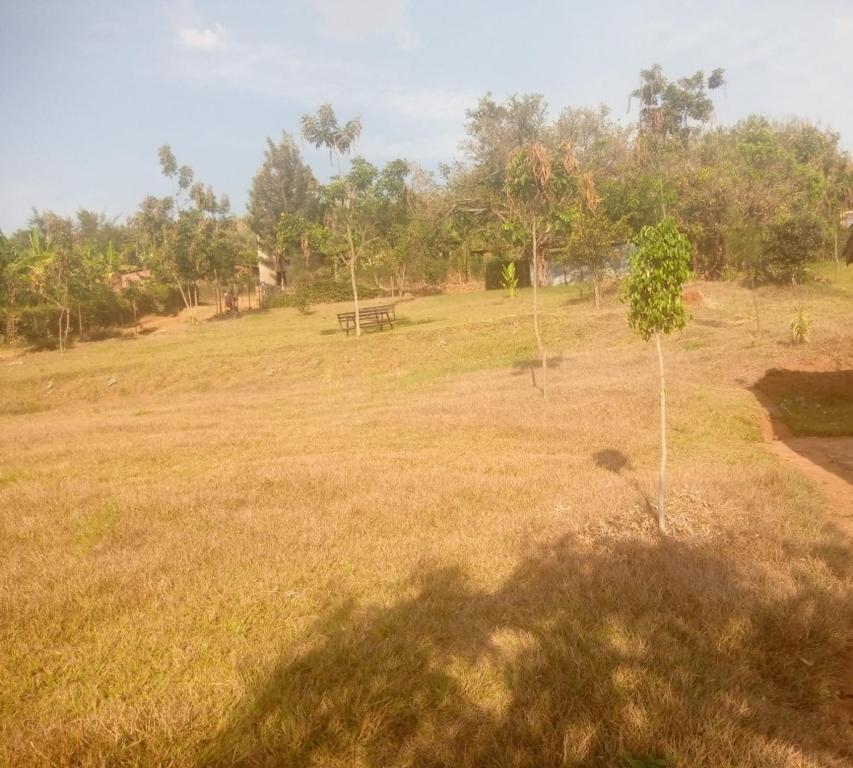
(258, 542)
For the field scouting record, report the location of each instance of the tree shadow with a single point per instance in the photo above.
(583, 654)
(617, 462)
(519, 367)
(812, 413)
(404, 322)
(611, 460)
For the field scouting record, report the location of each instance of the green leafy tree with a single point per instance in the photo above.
(790, 243)
(659, 268)
(351, 219)
(594, 239)
(50, 276)
(671, 112)
(283, 188)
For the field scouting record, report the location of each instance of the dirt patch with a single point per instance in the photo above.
(693, 296)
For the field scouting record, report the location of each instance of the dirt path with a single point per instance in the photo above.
(826, 460)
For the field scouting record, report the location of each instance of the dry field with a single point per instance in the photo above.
(257, 542)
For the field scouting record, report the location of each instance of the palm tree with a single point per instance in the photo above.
(322, 130)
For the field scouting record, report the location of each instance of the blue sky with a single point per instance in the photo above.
(90, 89)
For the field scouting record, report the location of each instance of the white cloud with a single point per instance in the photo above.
(206, 39)
(360, 19)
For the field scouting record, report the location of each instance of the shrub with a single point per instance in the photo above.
(38, 326)
(510, 280)
(493, 273)
(800, 326)
(790, 243)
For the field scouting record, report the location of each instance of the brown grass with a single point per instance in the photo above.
(266, 544)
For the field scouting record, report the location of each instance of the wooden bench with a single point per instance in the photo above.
(368, 317)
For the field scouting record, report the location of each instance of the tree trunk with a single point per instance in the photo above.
(596, 289)
(79, 322)
(61, 313)
(352, 258)
(354, 295)
(536, 331)
(837, 263)
(755, 306)
(184, 295)
(662, 476)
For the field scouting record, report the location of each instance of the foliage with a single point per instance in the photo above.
(659, 268)
(322, 292)
(38, 326)
(669, 109)
(283, 187)
(509, 280)
(759, 199)
(790, 242)
(323, 130)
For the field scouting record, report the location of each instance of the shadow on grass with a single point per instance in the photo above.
(400, 322)
(619, 464)
(582, 655)
(611, 460)
(812, 413)
(404, 322)
(519, 367)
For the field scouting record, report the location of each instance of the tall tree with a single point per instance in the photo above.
(284, 186)
(671, 111)
(323, 130)
(349, 197)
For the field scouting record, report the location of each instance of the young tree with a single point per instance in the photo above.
(50, 275)
(594, 236)
(535, 183)
(659, 269)
(351, 218)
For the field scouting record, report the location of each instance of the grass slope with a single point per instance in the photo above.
(258, 542)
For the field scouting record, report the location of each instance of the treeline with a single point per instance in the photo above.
(63, 279)
(758, 200)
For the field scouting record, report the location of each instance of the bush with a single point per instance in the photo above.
(155, 298)
(38, 326)
(790, 243)
(801, 325)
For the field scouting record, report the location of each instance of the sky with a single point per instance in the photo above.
(90, 89)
